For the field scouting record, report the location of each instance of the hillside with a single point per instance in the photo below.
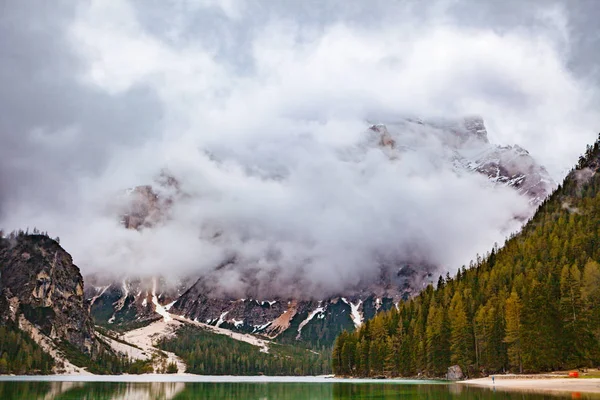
(529, 306)
(208, 353)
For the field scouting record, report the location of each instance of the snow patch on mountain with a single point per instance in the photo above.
(100, 291)
(318, 310)
(357, 316)
(157, 306)
(221, 319)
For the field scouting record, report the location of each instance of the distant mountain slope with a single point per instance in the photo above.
(530, 306)
(203, 352)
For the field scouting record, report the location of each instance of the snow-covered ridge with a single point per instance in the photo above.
(467, 148)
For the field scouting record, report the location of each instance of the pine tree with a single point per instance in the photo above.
(573, 315)
(514, 331)
(436, 340)
(460, 337)
(541, 331)
(590, 297)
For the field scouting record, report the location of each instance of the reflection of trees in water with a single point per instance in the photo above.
(25, 391)
(388, 391)
(89, 390)
(256, 391)
(384, 391)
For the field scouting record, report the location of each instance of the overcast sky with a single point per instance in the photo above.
(98, 96)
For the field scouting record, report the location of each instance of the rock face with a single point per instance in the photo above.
(39, 282)
(288, 320)
(513, 166)
(145, 206)
(455, 373)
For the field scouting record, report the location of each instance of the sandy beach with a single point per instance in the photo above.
(549, 385)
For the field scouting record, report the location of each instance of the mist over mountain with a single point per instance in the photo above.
(333, 218)
(264, 120)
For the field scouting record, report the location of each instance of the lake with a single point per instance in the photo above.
(248, 390)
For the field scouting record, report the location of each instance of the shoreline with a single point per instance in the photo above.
(551, 385)
(191, 378)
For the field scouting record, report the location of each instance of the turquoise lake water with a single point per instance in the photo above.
(31, 390)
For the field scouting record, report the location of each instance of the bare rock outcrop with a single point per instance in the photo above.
(38, 281)
(455, 373)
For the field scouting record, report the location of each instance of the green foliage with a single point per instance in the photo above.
(531, 306)
(208, 353)
(20, 355)
(514, 332)
(139, 367)
(171, 368)
(104, 362)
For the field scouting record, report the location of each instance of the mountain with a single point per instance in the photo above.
(40, 285)
(145, 206)
(130, 301)
(113, 325)
(42, 295)
(467, 145)
(530, 306)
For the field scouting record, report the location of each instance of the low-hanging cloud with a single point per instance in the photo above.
(262, 116)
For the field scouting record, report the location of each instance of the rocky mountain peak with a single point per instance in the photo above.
(385, 139)
(469, 150)
(143, 208)
(476, 127)
(147, 205)
(40, 284)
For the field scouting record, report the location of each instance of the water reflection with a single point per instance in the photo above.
(256, 391)
(90, 390)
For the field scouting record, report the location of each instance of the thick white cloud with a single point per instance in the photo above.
(518, 79)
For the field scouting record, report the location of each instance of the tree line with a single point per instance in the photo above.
(207, 353)
(21, 233)
(531, 306)
(20, 355)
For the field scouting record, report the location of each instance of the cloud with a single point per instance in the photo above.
(261, 114)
